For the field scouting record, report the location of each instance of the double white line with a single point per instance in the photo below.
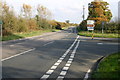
(67, 65)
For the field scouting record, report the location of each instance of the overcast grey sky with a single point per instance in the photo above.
(63, 9)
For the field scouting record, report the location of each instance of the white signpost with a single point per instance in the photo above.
(1, 47)
(90, 26)
(1, 28)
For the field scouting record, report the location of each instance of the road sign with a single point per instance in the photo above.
(90, 24)
(90, 28)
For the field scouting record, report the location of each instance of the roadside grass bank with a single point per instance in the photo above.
(108, 69)
(105, 35)
(15, 36)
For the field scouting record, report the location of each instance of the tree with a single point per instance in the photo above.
(43, 16)
(43, 12)
(67, 21)
(27, 11)
(1, 9)
(99, 11)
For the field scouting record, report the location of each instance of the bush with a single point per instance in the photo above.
(22, 26)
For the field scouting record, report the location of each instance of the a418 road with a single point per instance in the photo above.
(59, 55)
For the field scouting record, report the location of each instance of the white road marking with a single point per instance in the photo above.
(18, 54)
(71, 56)
(49, 72)
(69, 62)
(87, 75)
(100, 43)
(48, 43)
(53, 67)
(61, 58)
(63, 73)
(65, 68)
(45, 76)
(59, 77)
(59, 61)
(70, 59)
(11, 45)
(56, 64)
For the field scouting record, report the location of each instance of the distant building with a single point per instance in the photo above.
(119, 11)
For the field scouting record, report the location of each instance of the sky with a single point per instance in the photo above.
(63, 10)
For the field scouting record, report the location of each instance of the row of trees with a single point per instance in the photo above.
(99, 12)
(25, 21)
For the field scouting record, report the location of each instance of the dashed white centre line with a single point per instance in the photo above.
(49, 72)
(59, 61)
(69, 62)
(53, 67)
(56, 64)
(65, 68)
(63, 73)
(45, 76)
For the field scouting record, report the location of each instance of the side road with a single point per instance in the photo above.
(103, 39)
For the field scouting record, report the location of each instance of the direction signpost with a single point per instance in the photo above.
(90, 26)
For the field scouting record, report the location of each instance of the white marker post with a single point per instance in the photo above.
(103, 23)
(90, 26)
(1, 29)
(1, 47)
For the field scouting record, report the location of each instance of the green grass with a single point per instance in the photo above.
(108, 68)
(105, 35)
(27, 34)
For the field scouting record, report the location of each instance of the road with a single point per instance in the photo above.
(54, 56)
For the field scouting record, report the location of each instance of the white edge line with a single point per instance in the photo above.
(87, 74)
(17, 54)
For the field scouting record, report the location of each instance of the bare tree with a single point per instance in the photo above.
(43, 12)
(27, 10)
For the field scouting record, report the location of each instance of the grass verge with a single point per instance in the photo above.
(26, 34)
(108, 68)
(105, 35)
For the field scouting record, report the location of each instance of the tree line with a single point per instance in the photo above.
(25, 21)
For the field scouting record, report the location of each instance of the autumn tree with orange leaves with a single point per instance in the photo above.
(99, 11)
